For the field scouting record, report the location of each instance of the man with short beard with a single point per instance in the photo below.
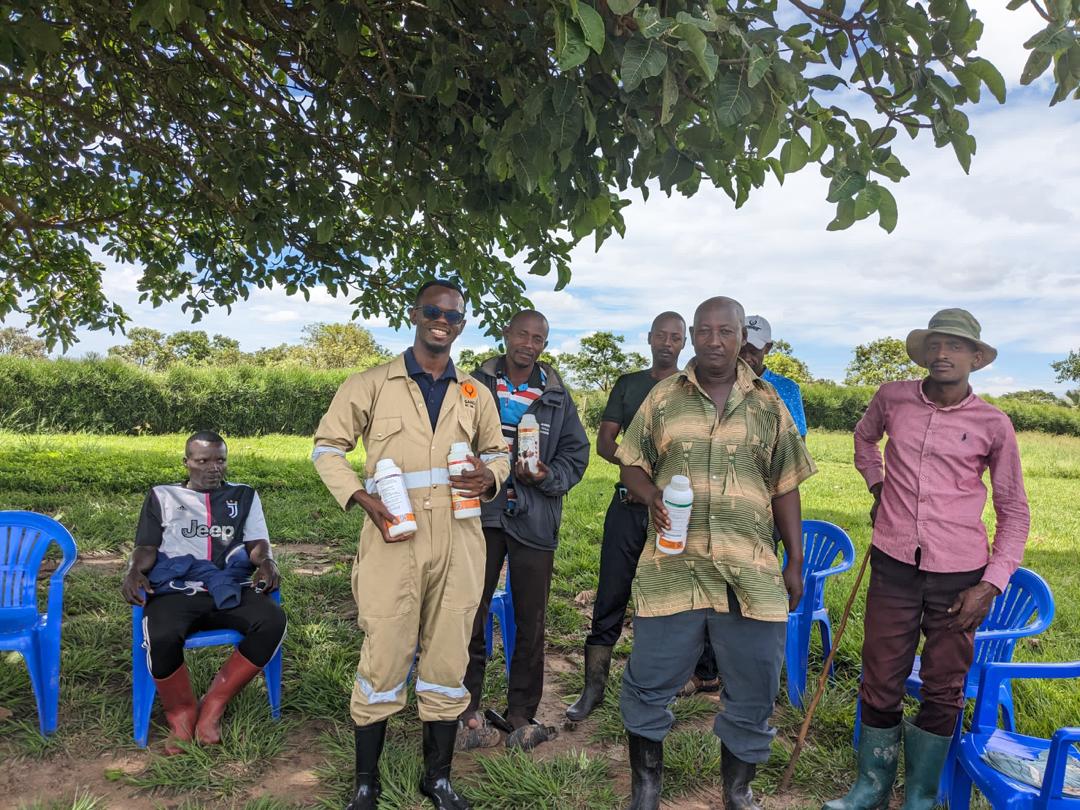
(416, 592)
(931, 573)
(720, 425)
(521, 525)
(202, 561)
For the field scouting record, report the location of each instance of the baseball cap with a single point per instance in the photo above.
(758, 331)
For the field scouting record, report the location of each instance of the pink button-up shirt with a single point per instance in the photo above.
(933, 494)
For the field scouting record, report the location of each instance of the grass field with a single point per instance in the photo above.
(95, 486)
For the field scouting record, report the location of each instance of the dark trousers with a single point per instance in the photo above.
(168, 619)
(902, 602)
(749, 653)
(530, 572)
(625, 528)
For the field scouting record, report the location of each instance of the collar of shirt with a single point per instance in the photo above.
(745, 381)
(537, 377)
(961, 404)
(412, 368)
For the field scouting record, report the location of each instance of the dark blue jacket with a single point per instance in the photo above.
(223, 584)
(564, 448)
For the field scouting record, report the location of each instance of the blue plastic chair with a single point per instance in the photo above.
(502, 608)
(823, 544)
(24, 539)
(144, 689)
(1003, 791)
(1026, 608)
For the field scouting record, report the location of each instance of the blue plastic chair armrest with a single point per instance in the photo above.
(987, 702)
(1057, 760)
(845, 564)
(56, 583)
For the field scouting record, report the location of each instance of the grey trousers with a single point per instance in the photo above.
(749, 654)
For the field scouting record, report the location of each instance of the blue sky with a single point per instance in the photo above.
(1002, 242)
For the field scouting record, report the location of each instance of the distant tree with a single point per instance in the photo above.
(782, 360)
(340, 345)
(881, 361)
(1068, 370)
(281, 355)
(19, 342)
(145, 348)
(1072, 398)
(156, 351)
(601, 361)
(1035, 396)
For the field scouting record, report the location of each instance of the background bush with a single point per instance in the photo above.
(109, 396)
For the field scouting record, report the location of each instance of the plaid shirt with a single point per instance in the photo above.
(737, 464)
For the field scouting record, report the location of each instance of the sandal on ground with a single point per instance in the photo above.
(696, 685)
(528, 737)
(483, 736)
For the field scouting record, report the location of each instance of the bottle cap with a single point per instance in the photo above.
(680, 482)
(460, 449)
(528, 419)
(385, 465)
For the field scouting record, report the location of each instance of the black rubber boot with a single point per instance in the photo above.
(597, 663)
(737, 776)
(369, 745)
(438, 754)
(646, 772)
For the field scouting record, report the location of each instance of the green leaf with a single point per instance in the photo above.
(866, 202)
(324, 232)
(622, 6)
(592, 25)
(963, 145)
(572, 51)
(886, 209)
(564, 92)
(642, 59)
(670, 96)
(1055, 42)
(845, 184)
(845, 216)
(826, 81)
(732, 100)
(794, 154)
(818, 141)
(757, 68)
(650, 24)
(1036, 65)
(699, 47)
(969, 80)
(684, 18)
(991, 77)
(768, 136)
(564, 128)
(940, 88)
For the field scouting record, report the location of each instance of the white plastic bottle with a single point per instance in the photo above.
(679, 499)
(390, 484)
(463, 505)
(528, 441)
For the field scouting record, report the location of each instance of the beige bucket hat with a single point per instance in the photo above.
(957, 322)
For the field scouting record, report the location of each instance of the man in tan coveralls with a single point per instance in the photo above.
(421, 590)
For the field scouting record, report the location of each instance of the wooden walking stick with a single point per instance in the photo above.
(785, 781)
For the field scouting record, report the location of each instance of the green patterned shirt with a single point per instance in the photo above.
(736, 464)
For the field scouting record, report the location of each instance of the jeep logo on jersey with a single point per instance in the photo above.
(196, 529)
(233, 507)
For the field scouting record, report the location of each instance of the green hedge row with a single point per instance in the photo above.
(109, 396)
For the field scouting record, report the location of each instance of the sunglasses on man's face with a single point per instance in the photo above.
(433, 313)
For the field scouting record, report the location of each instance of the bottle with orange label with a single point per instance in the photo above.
(463, 505)
(678, 499)
(390, 484)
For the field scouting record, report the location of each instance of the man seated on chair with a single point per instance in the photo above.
(931, 572)
(202, 561)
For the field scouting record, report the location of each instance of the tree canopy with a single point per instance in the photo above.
(601, 361)
(221, 146)
(881, 361)
(782, 360)
(1068, 370)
